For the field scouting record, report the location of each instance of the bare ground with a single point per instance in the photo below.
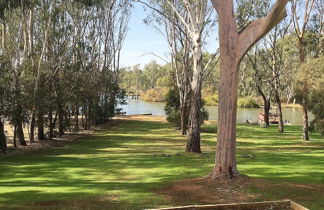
(208, 191)
(238, 190)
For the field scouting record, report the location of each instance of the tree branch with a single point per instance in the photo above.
(258, 28)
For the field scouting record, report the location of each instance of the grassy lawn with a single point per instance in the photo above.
(119, 167)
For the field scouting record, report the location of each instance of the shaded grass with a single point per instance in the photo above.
(120, 167)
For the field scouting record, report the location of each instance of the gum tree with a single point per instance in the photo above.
(234, 44)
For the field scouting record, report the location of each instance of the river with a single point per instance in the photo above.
(293, 115)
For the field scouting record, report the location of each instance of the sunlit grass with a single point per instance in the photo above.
(120, 167)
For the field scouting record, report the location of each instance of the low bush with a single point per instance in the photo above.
(172, 109)
(211, 100)
(247, 102)
(154, 95)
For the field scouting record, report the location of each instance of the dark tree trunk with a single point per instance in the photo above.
(301, 50)
(305, 127)
(76, 117)
(267, 106)
(60, 120)
(50, 125)
(281, 124)
(184, 119)
(3, 140)
(15, 137)
(88, 117)
(32, 128)
(193, 142)
(20, 134)
(40, 126)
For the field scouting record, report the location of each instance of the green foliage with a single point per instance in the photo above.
(211, 99)
(172, 108)
(248, 102)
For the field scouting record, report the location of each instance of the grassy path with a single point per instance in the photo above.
(119, 167)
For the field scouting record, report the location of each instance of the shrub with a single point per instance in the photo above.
(172, 109)
(154, 95)
(211, 100)
(247, 102)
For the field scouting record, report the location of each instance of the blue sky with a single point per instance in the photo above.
(143, 39)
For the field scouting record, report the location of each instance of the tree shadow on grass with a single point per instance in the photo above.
(128, 161)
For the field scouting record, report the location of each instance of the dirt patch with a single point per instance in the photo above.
(141, 118)
(200, 191)
(207, 191)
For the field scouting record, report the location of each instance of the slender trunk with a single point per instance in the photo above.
(267, 107)
(305, 127)
(82, 118)
(15, 137)
(266, 102)
(51, 125)
(32, 128)
(20, 134)
(3, 140)
(40, 125)
(193, 141)
(301, 50)
(304, 105)
(60, 119)
(281, 124)
(88, 117)
(76, 117)
(184, 119)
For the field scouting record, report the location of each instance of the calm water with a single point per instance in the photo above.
(293, 115)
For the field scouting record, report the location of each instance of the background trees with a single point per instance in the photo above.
(60, 61)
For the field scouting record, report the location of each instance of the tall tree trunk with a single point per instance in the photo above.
(15, 137)
(88, 117)
(40, 125)
(50, 125)
(60, 119)
(267, 106)
(228, 87)
(76, 118)
(281, 124)
(193, 141)
(20, 134)
(304, 106)
(183, 119)
(32, 128)
(3, 140)
(301, 50)
(233, 47)
(227, 109)
(305, 127)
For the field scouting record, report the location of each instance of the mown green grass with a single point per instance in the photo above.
(119, 167)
